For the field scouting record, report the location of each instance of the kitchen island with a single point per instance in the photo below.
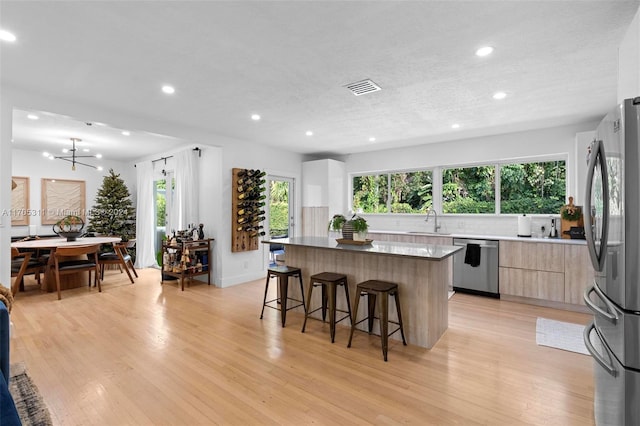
(420, 271)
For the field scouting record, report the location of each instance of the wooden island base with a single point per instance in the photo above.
(422, 281)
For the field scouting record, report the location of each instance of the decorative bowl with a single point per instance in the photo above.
(69, 227)
(70, 236)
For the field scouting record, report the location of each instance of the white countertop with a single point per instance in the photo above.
(486, 237)
(427, 251)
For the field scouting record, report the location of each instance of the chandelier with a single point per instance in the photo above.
(73, 157)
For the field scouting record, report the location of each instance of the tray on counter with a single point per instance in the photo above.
(354, 242)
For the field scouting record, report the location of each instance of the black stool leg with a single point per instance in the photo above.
(354, 317)
(307, 308)
(346, 294)
(384, 323)
(324, 302)
(302, 293)
(372, 309)
(266, 290)
(332, 310)
(283, 284)
(395, 296)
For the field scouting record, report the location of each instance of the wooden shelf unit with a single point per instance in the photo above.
(241, 240)
(178, 269)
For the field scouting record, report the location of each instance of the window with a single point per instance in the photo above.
(370, 193)
(533, 187)
(411, 192)
(469, 190)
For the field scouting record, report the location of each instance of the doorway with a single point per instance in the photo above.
(280, 213)
(163, 195)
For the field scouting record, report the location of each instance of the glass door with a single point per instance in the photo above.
(164, 198)
(280, 207)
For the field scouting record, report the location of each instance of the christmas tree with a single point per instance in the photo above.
(113, 214)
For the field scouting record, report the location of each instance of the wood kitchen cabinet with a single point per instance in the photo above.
(553, 272)
(578, 273)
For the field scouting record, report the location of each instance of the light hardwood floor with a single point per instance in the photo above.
(146, 354)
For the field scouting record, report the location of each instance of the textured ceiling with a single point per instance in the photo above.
(290, 61)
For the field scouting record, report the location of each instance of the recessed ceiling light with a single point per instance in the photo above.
(126, 133)
(372, 139)
(169, 90)
(45, 154)
(255, 117)
(99, 124)
(499, 95)
(309, 133)
(32, 117)
(455, 126)
(7, 36)
(51, 157)
(65, 150)
(99, 168)
(85, 149)
(484, 51)
(98, 155)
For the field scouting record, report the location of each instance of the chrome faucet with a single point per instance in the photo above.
(436, 227)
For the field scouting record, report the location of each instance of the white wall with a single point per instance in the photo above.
(629, 62)
(540, 144)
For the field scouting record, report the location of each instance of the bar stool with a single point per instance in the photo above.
(329, 281)
(384, 289)
(283, 273)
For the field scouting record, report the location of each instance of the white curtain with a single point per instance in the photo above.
(184, 210)
(145, 217)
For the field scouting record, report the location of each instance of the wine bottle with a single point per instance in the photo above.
(251, 195)
(251, 204)
(245, 172)
(256, 234)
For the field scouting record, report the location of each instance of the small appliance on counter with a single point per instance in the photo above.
(553, 232)
(524, 226)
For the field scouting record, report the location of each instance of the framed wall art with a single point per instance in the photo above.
(60, 198)
(20, 201)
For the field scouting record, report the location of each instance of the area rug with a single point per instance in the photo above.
(560, 335)
(31, 407)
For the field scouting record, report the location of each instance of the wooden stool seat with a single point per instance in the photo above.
(329, 282)
(282, 273)
(384, 289)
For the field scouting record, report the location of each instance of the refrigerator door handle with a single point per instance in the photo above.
(594, 353)
(610, 314)
(597, 156)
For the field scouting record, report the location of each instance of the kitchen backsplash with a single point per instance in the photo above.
(461, 224)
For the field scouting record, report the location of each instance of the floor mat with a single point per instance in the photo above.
(560, 335)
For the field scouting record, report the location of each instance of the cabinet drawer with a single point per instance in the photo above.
(535, 256)
(534, 284)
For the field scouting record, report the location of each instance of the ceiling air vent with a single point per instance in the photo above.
(363, 87)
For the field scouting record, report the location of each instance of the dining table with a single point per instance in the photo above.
(48, 283)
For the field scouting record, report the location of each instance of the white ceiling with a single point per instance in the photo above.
(289, 61)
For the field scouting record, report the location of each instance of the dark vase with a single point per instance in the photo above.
(347, 230)
(201, 232)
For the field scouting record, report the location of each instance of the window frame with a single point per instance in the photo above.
(436, 177)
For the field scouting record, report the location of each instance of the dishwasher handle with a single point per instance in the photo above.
(481, 243)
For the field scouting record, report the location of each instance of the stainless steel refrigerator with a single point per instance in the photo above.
(612, 229)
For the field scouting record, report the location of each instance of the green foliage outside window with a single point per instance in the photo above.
(533, 187)
(408, 192)
(469, 190)
(278, 208)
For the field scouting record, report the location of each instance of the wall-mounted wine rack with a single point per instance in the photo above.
(248, 201)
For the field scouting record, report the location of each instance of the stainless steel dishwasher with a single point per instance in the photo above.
(481, 278)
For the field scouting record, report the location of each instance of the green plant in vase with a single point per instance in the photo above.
(360, 228)
(336, 223)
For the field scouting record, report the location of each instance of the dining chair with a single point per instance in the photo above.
(22, 264)
(119, 256)
(64, 266)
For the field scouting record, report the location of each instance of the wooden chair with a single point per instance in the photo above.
(73, 266)
(119, 256)
(22, 264)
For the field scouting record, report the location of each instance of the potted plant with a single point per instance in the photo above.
(360, 228)
(336, 223)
